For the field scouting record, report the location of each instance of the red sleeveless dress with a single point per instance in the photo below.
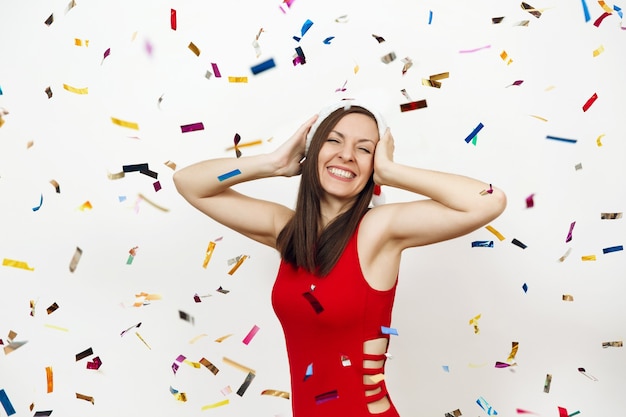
(325, 322)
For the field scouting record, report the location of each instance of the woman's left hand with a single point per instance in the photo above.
(383, 157)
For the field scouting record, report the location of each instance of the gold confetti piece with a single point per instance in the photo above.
(276, 393)
(153, 204)
(49, 92)
(116, 176)
(342, 19)
(194, 48)
(85, 397)
(568, 297)
(599, 140)
(124, 123)
(562, 258)
(209, 253)
(356, 69)
(79, 42)
(611, 216)
(56, 186)
(495, 232)
(617, 343)
(238, 366)
(53, 327)
(513, 351)
(195, 339)
(433, 80)
(49, 379)
(543, 119)
(237, 79)
(53, 307)
(221, 339)
(588, 257)
(75, 90)
(75, 258)
(408, 63)
(142, 339)
(85, 206)
(245, 144)
(605, 7)
(32, 308)
(171, 165)
(196, 365)
(16, 264)
(598, 51)
(237, 265)
(69, 7)
(209, 366)
(390, 57)
(477, 365)
(505, 57)
(455, 413)
(215, 405)
(474, 322)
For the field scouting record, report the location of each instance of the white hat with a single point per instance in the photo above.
(346, 104)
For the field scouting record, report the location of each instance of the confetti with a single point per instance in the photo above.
(222, 338)
(530, 9)
(342, 19)
(49, 379)
(176, 364)
(50, 326)
(472, 135)
(568, 297)
(192, 127)
(75, 258)
(208, 254)
(588, 257)
(222, 290)
(49, 20)
(530, 201)
(600, 19)
(584, 372)
(543, 119)
(327, 396)
(16, 264)
(516, 83)
(238, 79)
(209, 366)
(157, 186)
(485, 406)
(598, 51)
(49, 92)
(617, 343)
(36, 208)
(482, 244)
(469, 51)
(95, 364)
(123, 123)
(193, 48)
(75, 90)
(142, 339)
(474, 322)
(611, 216)
(430, 17)
(305, 28)
(388, 330)
(525, 287)
(495, 232)
(518, 243)
(433, 80)
(216, 70)
(561, 139)
(152, 203)
(589, 102)
(408, 63)
(106, 54)
(328, 40)
(173, 19)
(547, 383)
(237, 265)
(388, 58)
(569, 234)
(455, 413)
(414, 105)
(562, 258)
(130, 328)
(379, 39)
(53, 307)
(180, 396)
(79, 42)
(578, 166)
(613, 249)
(246, 383)
(6, 403)
(215, 405)
(132, 252)
(497, 20)
(238, 366)
(586, 11)
(84, 354)
(275, 393)
(263, 66)
(85, 397)
(562, 412)
(56, 186)
(300, 58)
(505, 58)
(186, 316)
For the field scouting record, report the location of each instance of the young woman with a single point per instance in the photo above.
(340, 257)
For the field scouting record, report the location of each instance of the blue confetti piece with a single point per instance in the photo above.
(328, 39)
(619, 11)
(121, 198)
(430, 17)
(1, 91)
(40, 203)
(388, 330)
(586, 11)
(472, 135)
(482, 244)
(613, 249)
(306, 26)
(485, 406)
(309, 372)
(228, 175)
(6, 403)
(561, 139)
(263, 66)
(446, 368)
(525, 287)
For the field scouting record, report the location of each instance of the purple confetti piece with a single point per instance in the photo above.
(569, 234)
(216, 70)
(192, 127)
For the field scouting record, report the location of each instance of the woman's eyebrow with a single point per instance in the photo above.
(343, 136)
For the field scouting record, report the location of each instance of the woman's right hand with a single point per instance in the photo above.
(287, 156)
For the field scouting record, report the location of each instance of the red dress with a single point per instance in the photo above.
(325, 323)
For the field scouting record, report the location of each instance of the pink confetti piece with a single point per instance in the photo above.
(530, 202)
(246, 340)
(569, 234)
(469, 51)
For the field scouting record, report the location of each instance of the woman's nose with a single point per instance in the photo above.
(346, 153)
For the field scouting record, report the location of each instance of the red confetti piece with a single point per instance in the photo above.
(563, 412)
(601, 18)
(173, 19)
(414, 105)
(589, 102)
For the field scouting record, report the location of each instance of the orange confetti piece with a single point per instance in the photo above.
(85, 206)
(237, 265)
(209, 253)
(505, 56)
(194, 48)
(49, 379)
(85, 397)
(222, 338)
(79, 42)
(495, 232)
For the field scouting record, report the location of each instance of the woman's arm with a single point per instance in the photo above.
(455, 204)
(207, 186)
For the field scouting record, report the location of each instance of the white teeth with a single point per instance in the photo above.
(341, 173)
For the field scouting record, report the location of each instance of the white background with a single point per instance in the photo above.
(441, 287)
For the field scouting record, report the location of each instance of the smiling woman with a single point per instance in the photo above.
(340, 258)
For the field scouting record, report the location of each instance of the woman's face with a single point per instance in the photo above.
(346, 158)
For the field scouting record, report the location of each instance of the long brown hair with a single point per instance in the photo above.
(301, 243)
